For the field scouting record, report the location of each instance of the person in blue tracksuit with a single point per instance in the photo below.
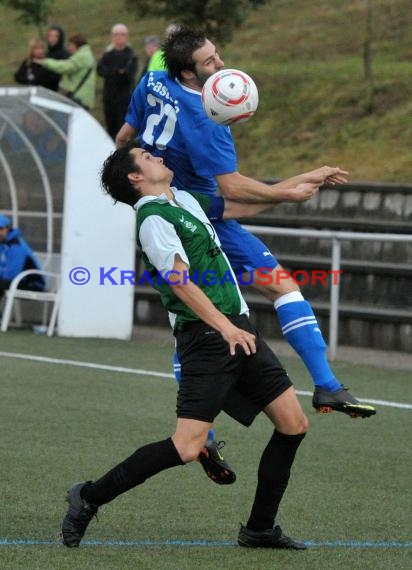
(16, 256)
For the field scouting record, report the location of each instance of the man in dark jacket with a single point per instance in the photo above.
(118, 67)
(16, 256)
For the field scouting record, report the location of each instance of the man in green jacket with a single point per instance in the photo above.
(78, 72)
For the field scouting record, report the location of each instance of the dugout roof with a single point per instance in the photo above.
(51, 152)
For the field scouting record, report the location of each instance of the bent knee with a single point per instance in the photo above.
(303, 424)
(296, 425)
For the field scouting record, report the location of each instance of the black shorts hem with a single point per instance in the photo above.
(275, 393)
(245, 414)
(194, 416)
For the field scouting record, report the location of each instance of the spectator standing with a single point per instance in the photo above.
(118, 67)
(154, 55)
(16, 256)
(32, 73)
(56, 49)
(55, 43)
(78, 71)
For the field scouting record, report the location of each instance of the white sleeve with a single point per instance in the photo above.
(161, 243)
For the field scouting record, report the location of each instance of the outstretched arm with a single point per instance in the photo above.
(238, 209)
(61, 66)
(236, 186)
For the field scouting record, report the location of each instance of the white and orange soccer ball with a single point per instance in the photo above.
(230, 96)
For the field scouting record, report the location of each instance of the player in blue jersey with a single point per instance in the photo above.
(166, 115)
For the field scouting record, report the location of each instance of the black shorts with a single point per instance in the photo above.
(213, 380)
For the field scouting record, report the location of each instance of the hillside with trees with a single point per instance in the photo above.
(334, 77)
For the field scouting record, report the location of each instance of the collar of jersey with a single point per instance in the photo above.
(161, 199)
(188, 89)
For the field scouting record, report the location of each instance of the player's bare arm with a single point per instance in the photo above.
(324, 175)
(200, 304)
(127, 133)
(237, 187)
(238, 209)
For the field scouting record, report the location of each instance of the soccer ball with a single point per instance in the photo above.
(230, 96)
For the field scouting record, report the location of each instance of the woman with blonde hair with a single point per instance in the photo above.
(30, 72)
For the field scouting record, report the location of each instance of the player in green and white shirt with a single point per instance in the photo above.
(176, 236)
(177, 225)
(225, 362)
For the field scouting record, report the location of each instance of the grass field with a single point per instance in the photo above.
(350, 494)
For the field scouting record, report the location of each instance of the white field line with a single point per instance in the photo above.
(142, 372)
(62, 361)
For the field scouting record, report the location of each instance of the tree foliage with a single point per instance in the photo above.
(31, 12)
(217, 18)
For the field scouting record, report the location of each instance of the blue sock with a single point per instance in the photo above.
(177, 368)
(211, 434)
(301, 330)
(178, 376)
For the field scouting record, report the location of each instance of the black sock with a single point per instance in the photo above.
(142, 464)
(273, 477)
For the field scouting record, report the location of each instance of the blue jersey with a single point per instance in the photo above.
(170, 122)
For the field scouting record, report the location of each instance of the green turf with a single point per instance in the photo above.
(62, 424)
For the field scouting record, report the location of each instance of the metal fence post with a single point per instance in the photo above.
(334, 298)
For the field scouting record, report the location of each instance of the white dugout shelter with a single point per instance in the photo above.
(51, 153)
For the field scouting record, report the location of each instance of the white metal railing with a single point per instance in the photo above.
(336, 237)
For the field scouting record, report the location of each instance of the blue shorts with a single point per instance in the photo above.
(244, 251)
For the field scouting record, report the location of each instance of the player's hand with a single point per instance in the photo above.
(303, 192)
(326, 175)
(235, 336)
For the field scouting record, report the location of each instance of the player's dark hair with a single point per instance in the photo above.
(114, 175)
(178, 50)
